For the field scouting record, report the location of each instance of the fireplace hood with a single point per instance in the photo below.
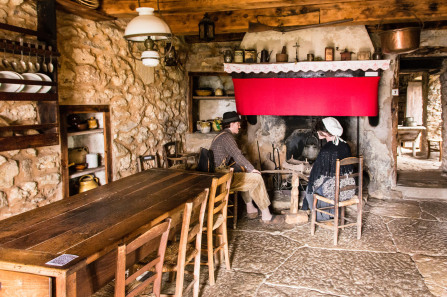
(336, 88)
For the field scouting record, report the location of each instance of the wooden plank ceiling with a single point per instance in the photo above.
(233, 16)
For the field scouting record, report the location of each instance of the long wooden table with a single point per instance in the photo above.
(90, 225)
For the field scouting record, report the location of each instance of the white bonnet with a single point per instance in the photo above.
(333, 126)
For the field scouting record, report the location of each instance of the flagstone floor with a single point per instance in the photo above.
(402, 252)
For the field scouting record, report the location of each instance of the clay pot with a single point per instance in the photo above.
(88, 182)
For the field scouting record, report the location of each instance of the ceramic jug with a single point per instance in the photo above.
(77, 155)
(88, 182)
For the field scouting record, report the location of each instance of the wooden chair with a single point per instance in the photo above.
(216, 225)
(431, 148)
(147, 161)
(188, 249)
(232, 208)
(340, 205)
(159, 233)
(172, 154)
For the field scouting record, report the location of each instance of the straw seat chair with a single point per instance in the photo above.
(147, 161)
(337, 205)
(158, 233)
(188, 249)
(216, 225)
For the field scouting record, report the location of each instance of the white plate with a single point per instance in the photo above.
(6, 87)
(31, 88)
(44, 77)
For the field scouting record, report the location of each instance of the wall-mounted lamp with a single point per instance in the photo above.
(150, 29)
(206, 28)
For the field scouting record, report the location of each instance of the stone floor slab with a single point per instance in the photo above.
(434, 271)
(350, 273)
(395, 208)
(267, 290)
(419, 236)
(257, 225)
(257, 251)
(435, 209)
(232, 283)
(375, 236)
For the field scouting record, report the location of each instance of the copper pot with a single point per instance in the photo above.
(400, 41)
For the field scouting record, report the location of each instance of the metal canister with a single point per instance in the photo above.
(250, 56)
(239, 56)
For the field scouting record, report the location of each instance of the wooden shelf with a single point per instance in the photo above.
(213, 98)
(67, 133)
(5, 96)
(28, 141)
(87, 171)
(86, 132)
(84, 11)
(28, 127)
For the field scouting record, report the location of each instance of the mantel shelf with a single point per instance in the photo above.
(315, 66)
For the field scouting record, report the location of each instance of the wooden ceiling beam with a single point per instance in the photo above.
(121, 8)
(363, 13)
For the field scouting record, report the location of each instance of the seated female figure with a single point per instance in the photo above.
(322, 175)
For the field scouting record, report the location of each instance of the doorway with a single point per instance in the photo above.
(419, 110)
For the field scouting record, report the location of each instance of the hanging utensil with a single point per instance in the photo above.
(22, 62)
(50, 64)
(14, 64)
(44, 65)
(5, 61)
(30, 64)
(37, 64)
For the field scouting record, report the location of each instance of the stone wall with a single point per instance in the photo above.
(148, 106)
(434, 108)
(376, 144)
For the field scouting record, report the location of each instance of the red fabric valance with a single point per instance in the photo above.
(328, 96)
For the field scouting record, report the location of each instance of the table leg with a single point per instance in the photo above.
(293, 216)
(414, 148)
(294, 194)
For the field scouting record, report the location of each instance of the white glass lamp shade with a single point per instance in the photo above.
(146, 24)
(150, 58)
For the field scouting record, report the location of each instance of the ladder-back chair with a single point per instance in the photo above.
(188, 249)
(172, 154)
(337, 205)
(156, 235)
(216, 225)
(147, 161)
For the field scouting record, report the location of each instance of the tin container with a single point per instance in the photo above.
(250, 56)
(239, 56)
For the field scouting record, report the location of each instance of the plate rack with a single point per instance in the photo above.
(45, 132)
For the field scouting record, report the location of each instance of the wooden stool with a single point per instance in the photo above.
(430, 149)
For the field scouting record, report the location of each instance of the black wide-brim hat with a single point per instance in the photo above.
(230, 117)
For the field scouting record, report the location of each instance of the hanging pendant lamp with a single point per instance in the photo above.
(145, 25)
